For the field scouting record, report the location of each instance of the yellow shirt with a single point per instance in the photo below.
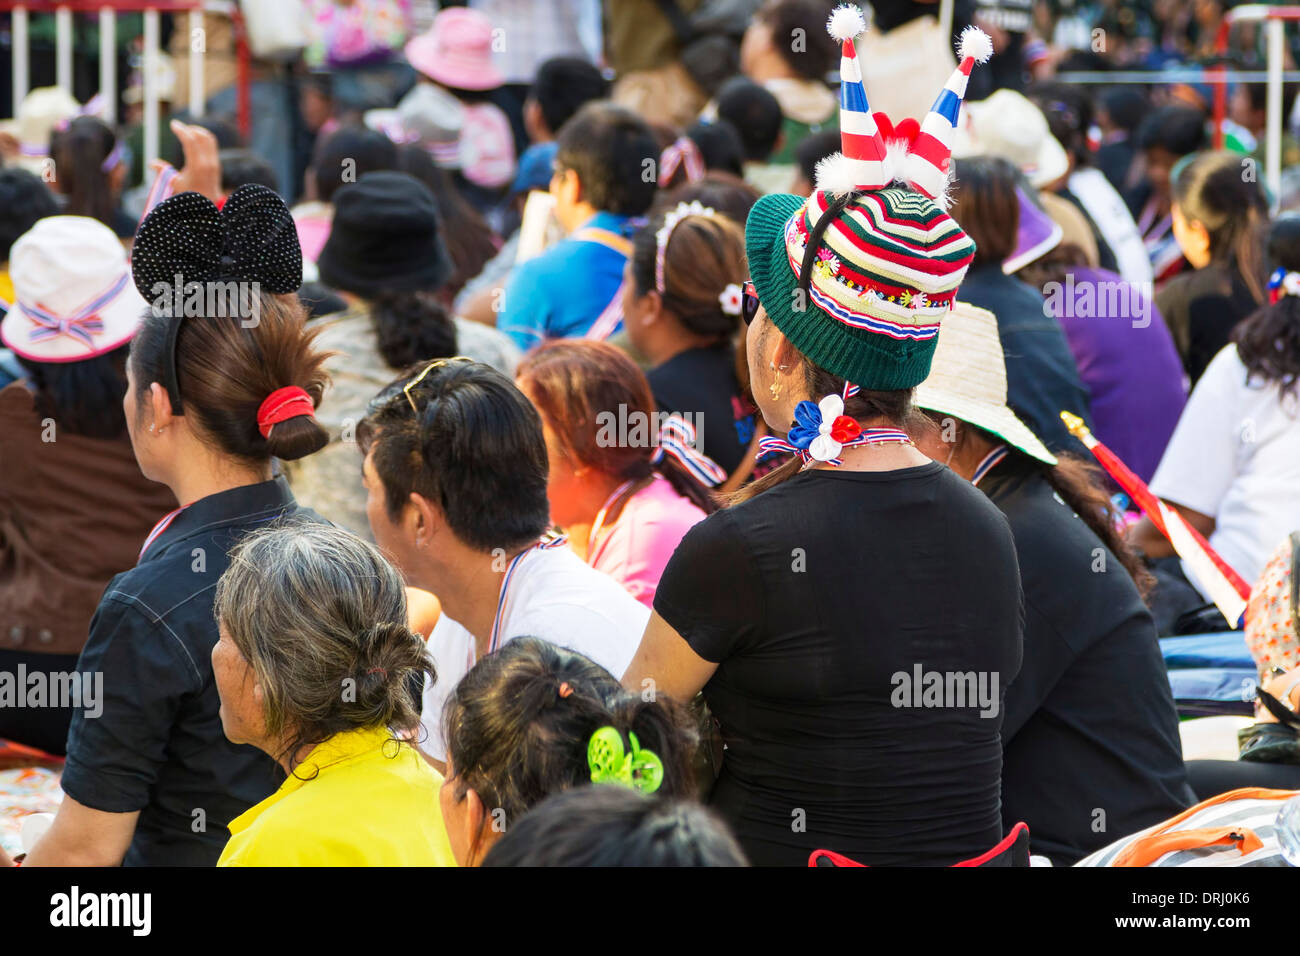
(366, 802)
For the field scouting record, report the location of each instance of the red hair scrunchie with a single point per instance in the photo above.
(281, 405)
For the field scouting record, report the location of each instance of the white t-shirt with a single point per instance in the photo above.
(1235, 456)
(552, 595)
(1115, 223)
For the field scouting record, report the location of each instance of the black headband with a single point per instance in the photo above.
(251, 240)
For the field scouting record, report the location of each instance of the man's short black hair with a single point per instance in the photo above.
(798, 29)
(755, 113)
(814, 148)
(355, 150)
(563, 85)
(239, 167)
(24, 199)
(719, 145)
(479, 447)
(1178, 129)
(615, 154)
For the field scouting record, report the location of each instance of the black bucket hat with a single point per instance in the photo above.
(386, 237)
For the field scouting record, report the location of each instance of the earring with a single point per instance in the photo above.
(775, 388)
(151, 427)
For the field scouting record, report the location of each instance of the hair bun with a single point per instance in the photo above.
(252, 238)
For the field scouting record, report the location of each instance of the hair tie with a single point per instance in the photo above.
(377, 670)
(681, 152)
(281, 405)
(671, 221)
(565, 690)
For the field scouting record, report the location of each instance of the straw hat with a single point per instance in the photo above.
(1009, 125)
(73, 297)
(968, 380)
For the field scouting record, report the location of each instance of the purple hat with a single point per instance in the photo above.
(1036, 236)
(457, 51)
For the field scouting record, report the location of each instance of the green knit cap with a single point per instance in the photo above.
(885, 271)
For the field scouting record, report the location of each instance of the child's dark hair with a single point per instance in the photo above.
(239, 167)
(79, 151)
(1213, 191)
(1177, 129)
(519, 724)
(755, 113)
(813, 149)
(616, 826)
(83, 398)
(719, 145)
(563, 85)
(24, 200)
(1268, 340)
(225, 371)
(366, 149)
(608, 147)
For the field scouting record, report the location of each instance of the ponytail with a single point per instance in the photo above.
(1233, 210)
(80, 151)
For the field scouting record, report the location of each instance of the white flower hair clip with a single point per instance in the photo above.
(731, 299)
(671, 220)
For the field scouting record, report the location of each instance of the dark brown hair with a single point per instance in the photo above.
(705, 254)
(227, 366)
(514, 740)
(79, 151)
(986, 206)
(1213, 191)
(576, 384)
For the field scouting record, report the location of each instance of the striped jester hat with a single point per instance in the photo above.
(859, 275)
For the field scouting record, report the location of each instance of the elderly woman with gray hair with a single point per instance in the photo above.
(315, 666)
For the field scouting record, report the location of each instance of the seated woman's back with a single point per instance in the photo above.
(841, 652)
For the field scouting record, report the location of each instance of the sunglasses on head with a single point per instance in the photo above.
(390, 394)
(748, 302)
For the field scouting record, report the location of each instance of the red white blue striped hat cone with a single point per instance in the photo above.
(929, 158)
(862, 146)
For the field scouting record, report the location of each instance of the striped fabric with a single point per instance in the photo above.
(928, 159)
(889, 264)
(1250, 813)
(860, 139)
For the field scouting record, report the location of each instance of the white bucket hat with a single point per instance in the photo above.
(968, 379)
(73, 294)
(1009, 125)
(39, 114)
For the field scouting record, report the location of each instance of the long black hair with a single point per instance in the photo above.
(83, 398)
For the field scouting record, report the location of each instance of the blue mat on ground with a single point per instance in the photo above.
(1210, 674)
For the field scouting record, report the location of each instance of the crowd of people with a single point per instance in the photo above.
(646, 433)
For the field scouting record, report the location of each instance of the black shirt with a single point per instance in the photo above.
(820, 599)
(158, 746)
(702, 383)
(1090, 739)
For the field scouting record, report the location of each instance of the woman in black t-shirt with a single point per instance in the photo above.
(854, 621)
(681, 309)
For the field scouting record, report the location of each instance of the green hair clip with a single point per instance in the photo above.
(641, 769)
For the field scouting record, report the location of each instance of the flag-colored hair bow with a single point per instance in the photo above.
(677, 438)
(83, 325)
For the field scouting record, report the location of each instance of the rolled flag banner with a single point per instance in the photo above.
(928, 161)
(1226, 587)
(862, 148)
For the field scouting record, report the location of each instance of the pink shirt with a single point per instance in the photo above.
(637, 547)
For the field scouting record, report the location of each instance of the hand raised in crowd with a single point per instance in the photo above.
(201, 170)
